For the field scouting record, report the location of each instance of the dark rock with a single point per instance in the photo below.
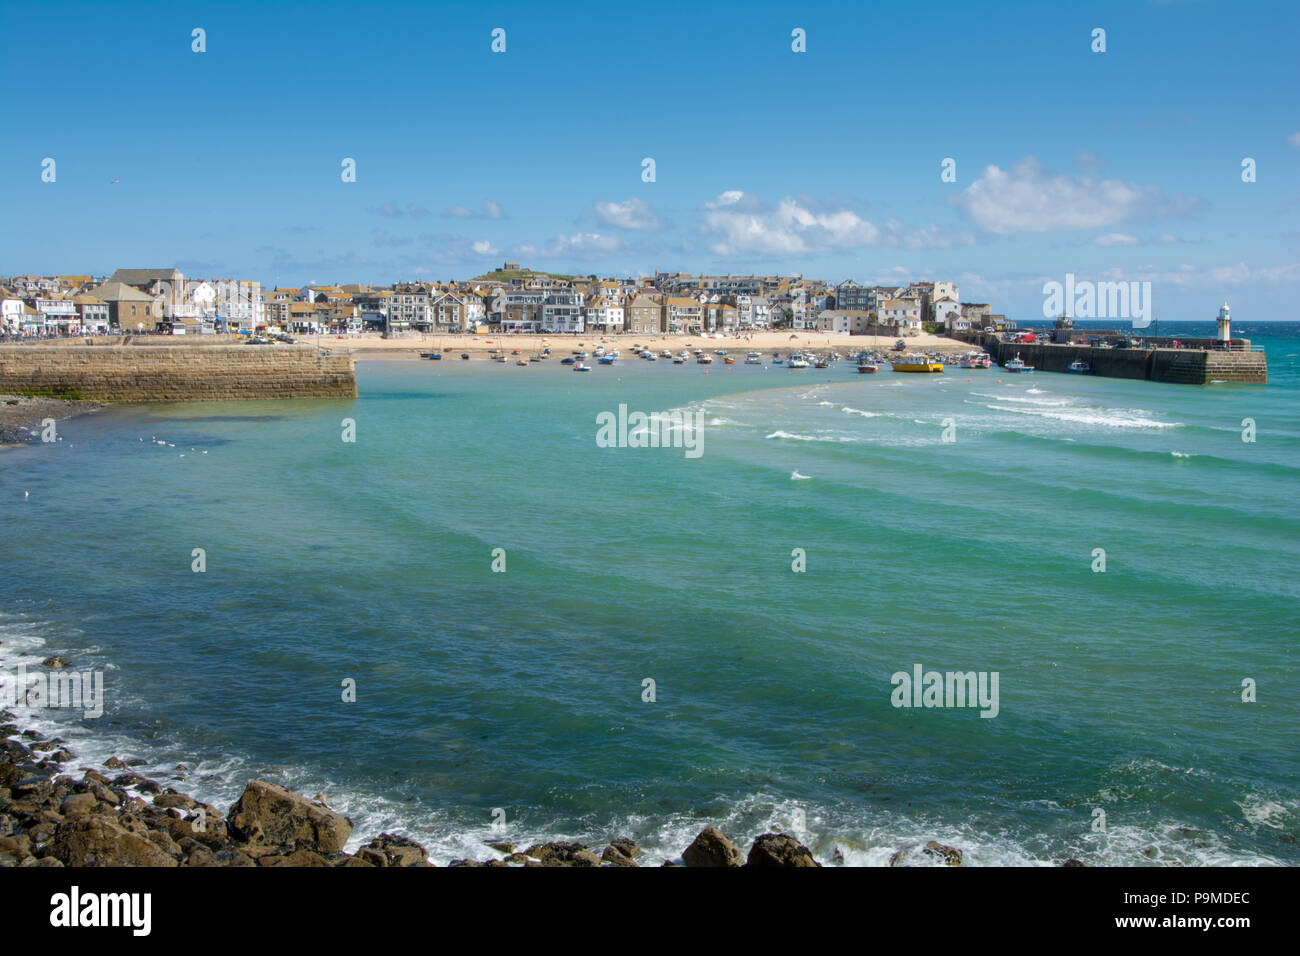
(79, 804)
(271, 815)
(171, 799)
(206, 857)
(897, 858)
(503, 847)
(712, 848)
(387, 849)
(113, 763)
(99, 841)
(779, 849)
(303, 857)
(1074, 862)
(616, 856)
(55, 663)
(951, 855)
(627, 847)
(562, 853)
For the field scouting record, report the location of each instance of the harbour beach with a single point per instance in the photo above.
(767, 342)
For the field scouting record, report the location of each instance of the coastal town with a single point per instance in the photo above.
(509, 300)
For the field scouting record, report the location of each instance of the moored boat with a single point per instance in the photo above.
(909, 362)
(1080, 367)
(581, 368)
(1015, 365)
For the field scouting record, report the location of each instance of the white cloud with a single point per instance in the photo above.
(1026, 198)
(741, 224)
(488, 210)
(1116, 239)
(1294, 139)
(485, 248)
(631, 214)
(583, 245)
(789, 229)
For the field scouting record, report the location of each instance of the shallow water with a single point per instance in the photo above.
(372, 561)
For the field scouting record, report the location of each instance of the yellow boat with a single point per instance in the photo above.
(916, 363)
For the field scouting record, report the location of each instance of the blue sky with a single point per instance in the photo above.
(1123, 164)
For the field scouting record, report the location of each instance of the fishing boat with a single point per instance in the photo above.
(703, 359)
(969, 360)
(1080, 367)
(679, 359)
(822, 363)
(1015, 365)
(666, 354)
(581, 368)
(910, 362)
(609, 358)
(867, 367)
(753, 358)
(502, 359)
(568, 360)
(797, 361)
(729, 360)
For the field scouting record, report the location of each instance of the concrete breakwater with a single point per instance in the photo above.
(1179, 366)
(175, 372)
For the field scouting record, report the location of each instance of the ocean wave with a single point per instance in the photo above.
(1105, 418)
(792, 436)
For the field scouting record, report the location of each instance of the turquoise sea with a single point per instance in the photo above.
(522, 691)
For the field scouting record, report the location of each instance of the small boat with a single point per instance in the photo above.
(908, 362)
(679, 359)
(720, 352)
(607, 359)
(581, 368)
(753, 358)
(568, 360)
(502, 359)
(866, 368)
(465, 356)
(666, 354)
(797, 361)
(648, 356)
(431, 355)
(1080, 367)
(822, 363)
(703, 359)
(1015, 365)
(729, 360)
(523, 362)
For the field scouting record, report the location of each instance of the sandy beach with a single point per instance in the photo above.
(479, 346)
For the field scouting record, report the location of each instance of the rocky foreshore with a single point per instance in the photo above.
(21, 415)
(114, 816)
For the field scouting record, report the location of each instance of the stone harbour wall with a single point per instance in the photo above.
(176, 373)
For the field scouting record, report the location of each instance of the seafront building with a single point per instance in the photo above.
(509, 300)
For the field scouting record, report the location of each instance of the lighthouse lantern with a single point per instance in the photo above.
(1225, 321)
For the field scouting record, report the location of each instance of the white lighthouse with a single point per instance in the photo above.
(1225, 322)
